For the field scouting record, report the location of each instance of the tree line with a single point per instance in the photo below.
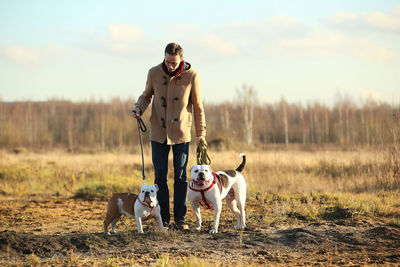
(108, 125)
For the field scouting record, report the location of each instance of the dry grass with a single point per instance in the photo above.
(98, 175)
(306, 172)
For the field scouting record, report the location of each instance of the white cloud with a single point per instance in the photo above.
(234, 38)
(24, 55)
(383, 21)
(342, 17)
(218, 44)
(281, 25)
(124, 33)
(20, 54)
(283, 21)
(326, 44)
(375, 20)
(315, 43)
(117, 40)
(205, 44)
(368, 50)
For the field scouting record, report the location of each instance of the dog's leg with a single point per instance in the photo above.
(231, 202)
(139, 224)
(241, 201)
(157, 216)
(107, 221)
(217, 210)
(113, 223)
(112, 217)
(196, 209)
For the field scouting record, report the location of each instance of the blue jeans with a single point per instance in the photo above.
(160, 162)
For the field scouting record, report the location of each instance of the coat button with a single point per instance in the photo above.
(164, 102)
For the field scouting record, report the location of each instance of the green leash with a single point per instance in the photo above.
(202, 156)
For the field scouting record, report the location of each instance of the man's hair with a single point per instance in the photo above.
(174, 49)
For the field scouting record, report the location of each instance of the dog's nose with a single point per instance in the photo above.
(147, 193)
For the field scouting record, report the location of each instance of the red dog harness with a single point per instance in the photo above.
(209, 206)
(147, 205)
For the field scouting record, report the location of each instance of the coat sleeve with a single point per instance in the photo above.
(145, 98)
(195, 98)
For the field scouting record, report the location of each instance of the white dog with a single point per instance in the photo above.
(229, 184)
(141, 207)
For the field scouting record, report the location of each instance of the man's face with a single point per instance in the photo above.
(172, 61)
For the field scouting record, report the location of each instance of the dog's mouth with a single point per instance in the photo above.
(147, 200)
(201, 182)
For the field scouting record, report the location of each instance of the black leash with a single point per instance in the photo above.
(141, 128)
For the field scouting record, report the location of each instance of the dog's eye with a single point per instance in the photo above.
(143, 191)
(206, 170)
(152, 191)
(196, 171)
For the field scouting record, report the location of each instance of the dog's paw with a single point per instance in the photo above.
(213, 231)
(239, 227)
(140, 232)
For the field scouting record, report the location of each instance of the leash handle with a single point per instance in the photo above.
(202, 156)
(141, 126)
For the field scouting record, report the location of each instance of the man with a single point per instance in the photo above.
(174, 88)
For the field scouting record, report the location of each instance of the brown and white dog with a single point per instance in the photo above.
(141, 207)
(229, 184)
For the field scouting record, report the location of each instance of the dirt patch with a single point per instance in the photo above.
(50, 227)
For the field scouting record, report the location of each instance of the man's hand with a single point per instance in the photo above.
(198, 139)
(136, 113)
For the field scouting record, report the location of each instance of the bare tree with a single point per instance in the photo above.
(247, 100)
(284, 105)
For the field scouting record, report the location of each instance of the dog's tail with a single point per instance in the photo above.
(241, 166)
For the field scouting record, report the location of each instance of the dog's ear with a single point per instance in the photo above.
(156, 186)
(192, 168)
(141, 188)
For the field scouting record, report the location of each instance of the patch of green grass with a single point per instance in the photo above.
(104, 188)
(93, 191)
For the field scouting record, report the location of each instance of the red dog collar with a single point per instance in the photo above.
(147, 205)
(209, 206)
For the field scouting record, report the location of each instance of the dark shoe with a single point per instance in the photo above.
(181, 225)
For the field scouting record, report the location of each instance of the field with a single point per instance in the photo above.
(323, 207)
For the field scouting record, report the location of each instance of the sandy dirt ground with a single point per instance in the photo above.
(57, 227)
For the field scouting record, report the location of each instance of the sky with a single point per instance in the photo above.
(301, 51)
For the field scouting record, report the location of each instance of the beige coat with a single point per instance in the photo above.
(174, 99)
